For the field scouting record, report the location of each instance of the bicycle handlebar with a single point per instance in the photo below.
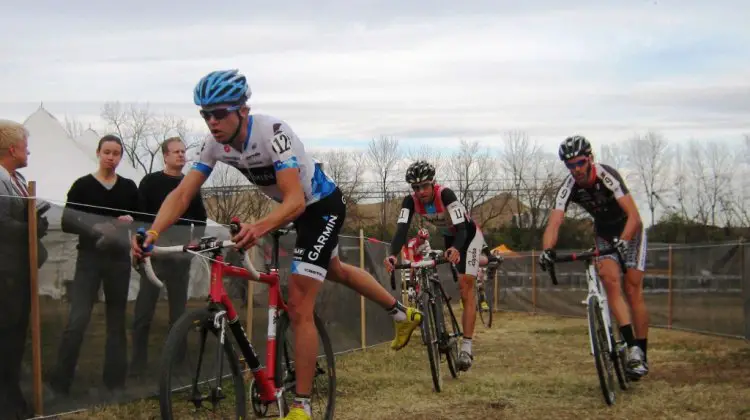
(583, 256)
(436, 258)
(202, 246)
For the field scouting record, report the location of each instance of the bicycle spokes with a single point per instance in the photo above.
(199, 372)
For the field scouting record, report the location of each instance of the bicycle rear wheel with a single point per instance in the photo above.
(619, 360)
(203, 383)
(602, 359)
(430, 337)
(323, 395)
(450, 335)
(484, 314)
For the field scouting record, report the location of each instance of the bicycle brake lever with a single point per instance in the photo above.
(140, 237)
(551, 271)
(234, 229)
(234, 226)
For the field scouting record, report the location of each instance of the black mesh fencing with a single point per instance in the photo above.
(103, 328)
(700, 288)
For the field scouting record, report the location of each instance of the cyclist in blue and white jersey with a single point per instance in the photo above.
(271, 156)
(602, 192)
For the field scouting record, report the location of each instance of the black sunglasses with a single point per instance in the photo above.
(218, 113)
(578, 164)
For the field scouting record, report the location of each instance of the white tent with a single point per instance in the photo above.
(55, 162)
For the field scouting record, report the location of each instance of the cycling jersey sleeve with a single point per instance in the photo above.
(612, 180)
(457, 213)
(206, 158)
(280, 148)
(402, 224)
(562, 199)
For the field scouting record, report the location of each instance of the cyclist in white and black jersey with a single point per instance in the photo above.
(602, 192)
(463, 240)
(269, 154)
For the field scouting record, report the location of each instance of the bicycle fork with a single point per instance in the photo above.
(445, 339)
(595, 289)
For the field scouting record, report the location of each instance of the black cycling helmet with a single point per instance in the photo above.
(420, 171)
(573, 147)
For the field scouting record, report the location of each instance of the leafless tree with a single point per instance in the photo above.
(472, 174)
(228, 194)
(613, 155)
(515, 161)
(383, 155)
(741, 202)
(649, 156)
(73, 127)
(429, 154)
(143, 131)
(712, 166)
(533, 177)
(347, 169)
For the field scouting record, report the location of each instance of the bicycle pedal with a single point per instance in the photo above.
(445, 346)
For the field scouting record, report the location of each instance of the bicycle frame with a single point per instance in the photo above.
(595, 289)
(425, 277)
(218, 295)
(218, 298)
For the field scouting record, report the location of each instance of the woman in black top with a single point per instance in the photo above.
(99, 209)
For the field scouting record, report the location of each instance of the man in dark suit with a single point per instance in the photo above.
(173, 270)
(15, 290)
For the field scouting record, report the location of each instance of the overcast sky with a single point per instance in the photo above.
(343, 71)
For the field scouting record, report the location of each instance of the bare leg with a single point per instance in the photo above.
(360, 281)
(469, 316)
(302, 293)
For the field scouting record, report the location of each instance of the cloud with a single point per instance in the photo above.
(348, 71)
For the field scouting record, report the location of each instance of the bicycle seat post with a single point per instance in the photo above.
(275, 250)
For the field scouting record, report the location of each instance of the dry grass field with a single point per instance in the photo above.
(531, 367)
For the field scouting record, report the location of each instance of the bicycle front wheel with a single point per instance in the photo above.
(602, 359)
(430, 337)
(204, 380)
(323, 395)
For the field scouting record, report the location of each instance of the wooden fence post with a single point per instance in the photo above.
(362, 319)
(670, 289)
(533, 281)
(495, 291)
(36, 342)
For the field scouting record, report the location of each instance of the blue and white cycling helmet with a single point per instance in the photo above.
(221, 87)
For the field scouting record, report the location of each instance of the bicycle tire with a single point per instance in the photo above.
(282, 353)
(484, 315)
(619, 360)
(175, 343)
(430, 337)
(450, 350)
(601, 359)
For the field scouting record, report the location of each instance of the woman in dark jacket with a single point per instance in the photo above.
(99, 209)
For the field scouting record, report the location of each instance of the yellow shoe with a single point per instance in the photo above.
(485, 306)
(297, 413)
(405, 328)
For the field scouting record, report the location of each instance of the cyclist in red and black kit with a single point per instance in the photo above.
(417, 246)
(602, 192)
(463, 240)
